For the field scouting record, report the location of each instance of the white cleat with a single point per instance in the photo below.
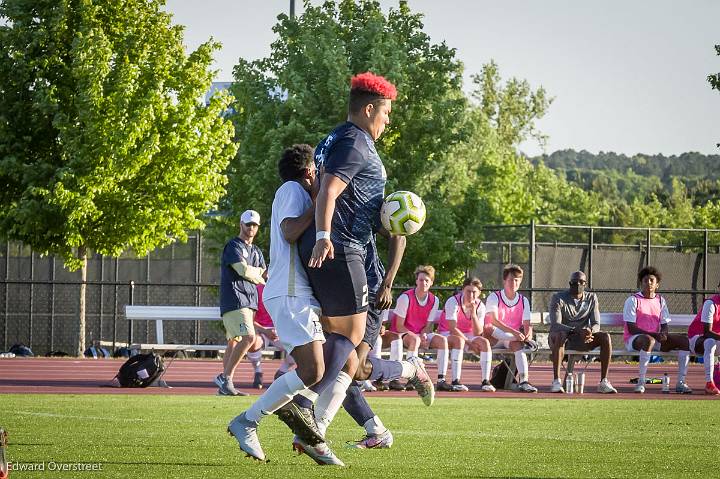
(421, 381)
(640, 388)
(557, 387)
(384, 440)
(604, 387)
(320, 453)
(367, 386)
(245, 432)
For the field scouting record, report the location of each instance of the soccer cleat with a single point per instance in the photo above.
(320, 452)
(486, 387)
(258, 380)
(245, 432)
(682, 388)
(380, 385)
(604, 387)
(409, 386)
(640, 388)
(711, 389)
(3, 460)
(367, 386)
(526, 387)
(373, 441)
(396, 385)
(301, 422)
(457, 387)
(421, 382)
(443, 385)
(226, 386)
(557, 387)
(530, 346)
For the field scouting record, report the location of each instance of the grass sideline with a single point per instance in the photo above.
(184, 436)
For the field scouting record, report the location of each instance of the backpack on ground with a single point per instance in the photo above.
(498, 378)
(140, 370)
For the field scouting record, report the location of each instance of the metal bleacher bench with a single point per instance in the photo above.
(175, 313)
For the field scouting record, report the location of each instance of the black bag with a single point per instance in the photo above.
(140, 370)
(499, 374)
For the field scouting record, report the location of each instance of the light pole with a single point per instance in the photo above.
(292, 9)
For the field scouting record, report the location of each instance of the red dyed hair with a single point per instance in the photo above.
(373, 83)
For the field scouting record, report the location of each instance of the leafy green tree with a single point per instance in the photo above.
(105, 143)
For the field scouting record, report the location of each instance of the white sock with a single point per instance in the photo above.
(374, 426)
(456, 363)
(485, 364)
(408, 370)
(255, 358)
(683, 360)
(330, 400)
(376, 351)
(396, 350)
(522, 365)
(280, 392)
(643, 361)
(412, 354)
(442, 361)
(287, 364)
(709, 358)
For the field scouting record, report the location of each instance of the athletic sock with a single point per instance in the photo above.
(280, 392)
(683, 360)
(357, 406)
(412, 354)
(485, 364)
(643, 361)
(336, 350)
(709, 358)
(374, 426)
(255, 359)
(330, 401)
(522, 365)
(442, 361)
(456, 363)
(387, 370)
(396, 350)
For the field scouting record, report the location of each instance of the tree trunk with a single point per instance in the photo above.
(82, 254)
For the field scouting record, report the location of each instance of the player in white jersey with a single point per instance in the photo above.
(295, 312)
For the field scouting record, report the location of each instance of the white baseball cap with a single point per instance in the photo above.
(250, 216)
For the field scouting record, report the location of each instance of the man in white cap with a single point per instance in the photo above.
(242, 269)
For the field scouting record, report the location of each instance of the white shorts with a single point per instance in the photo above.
(503, 338)
(631, 340)
(469, 337)
(267, 342)
(695, 339)
(297, 320)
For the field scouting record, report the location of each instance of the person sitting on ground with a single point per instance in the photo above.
(510, 328)
(704, 338)
(646, 319)
(412, 321)
(575, 324)
(462, 322)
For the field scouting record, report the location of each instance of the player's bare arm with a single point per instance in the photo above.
(330, 189)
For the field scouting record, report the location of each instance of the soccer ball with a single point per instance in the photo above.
(402, 213)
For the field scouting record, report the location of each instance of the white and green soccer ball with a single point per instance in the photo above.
(402, 213)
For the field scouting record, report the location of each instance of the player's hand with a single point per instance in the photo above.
(273, 335)
(519, 336)
(322, 250)
(384, 297)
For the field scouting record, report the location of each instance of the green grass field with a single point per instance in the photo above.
(184, 436)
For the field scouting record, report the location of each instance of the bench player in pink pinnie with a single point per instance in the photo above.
(462, 322)
(509, 326)
(646, 319)
(413, 319)
(704, 337)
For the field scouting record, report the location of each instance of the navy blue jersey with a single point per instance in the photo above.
(348, 153)
(374, 269)
(235, 291)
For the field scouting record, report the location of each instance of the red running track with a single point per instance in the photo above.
(91, 376)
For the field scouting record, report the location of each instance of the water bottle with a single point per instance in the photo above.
(569, 383)
(666, 384)
(581, 383)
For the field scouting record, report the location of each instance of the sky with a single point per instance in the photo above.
(626, 76)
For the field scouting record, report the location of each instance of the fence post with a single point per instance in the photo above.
(647, 248)
(32, 298)
(591, 246)
(531, 262)
(131, 300)
(52, 304)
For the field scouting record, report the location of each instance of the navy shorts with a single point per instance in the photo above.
(372, 325)
(340, 285)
